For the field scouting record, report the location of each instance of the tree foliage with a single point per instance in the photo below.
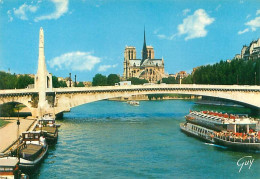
(58, 84)
(99, 80)
(170, 80)
(80, 84)
(237, 71)
(7, 110)
(137, 81)
(11, 81)
(112, 79)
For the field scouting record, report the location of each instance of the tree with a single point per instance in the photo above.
(58, 84)
(112, 79)
(80, 84)
(99, 80)
(7, 110)
(187, 80)
(23, 81)
(170, 80)
(137, 81)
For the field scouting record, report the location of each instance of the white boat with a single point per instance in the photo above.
(232, 131)
(48, 127)
(9, 168)
(32, 150)
(134, 103)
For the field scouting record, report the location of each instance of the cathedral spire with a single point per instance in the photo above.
(144, 52)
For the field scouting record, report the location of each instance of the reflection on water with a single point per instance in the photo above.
(110, 139)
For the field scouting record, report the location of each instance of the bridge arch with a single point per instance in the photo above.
(67, 100)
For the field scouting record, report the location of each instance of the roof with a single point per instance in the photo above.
(8, 161)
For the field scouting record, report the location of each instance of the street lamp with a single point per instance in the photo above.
(18, 124)
(70, 79)
(255, 78)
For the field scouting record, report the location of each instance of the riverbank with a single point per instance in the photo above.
(8, 133)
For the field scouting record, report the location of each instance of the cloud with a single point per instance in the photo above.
(258, 12)
(248, 16)
(105, 67)
(185, 12)
(254, 24)
(217, 8)
(22, 10)
(194, 25)
(61, 8)
(10, 18)
(243, 31)
(76, 61)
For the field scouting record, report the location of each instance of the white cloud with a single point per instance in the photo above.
(105, 67)
(258, 12)
(248, 16)
(185, 12)
(76, 61)
(10, 18)
(254, 24)
(23, 9)
(61, 8)
(243, 31)
(194, 25)
(217, 8)
(162, 36)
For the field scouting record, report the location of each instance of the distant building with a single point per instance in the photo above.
(182, 74)
(252, 51)
(147, 68)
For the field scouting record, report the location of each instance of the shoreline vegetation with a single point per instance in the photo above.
(3, 123)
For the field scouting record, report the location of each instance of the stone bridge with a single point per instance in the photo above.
(43, 98)
(63, 99)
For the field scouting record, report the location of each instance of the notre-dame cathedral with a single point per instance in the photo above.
(147, 68)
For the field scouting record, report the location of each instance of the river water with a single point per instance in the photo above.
(110, 139)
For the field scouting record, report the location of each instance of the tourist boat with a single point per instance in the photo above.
(32, 149)
(9, 168)
(232, 131)
(48, 127)
(134, 103)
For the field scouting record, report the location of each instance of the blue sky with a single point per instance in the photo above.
(86, 37)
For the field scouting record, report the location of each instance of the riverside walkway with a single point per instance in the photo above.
(8, 133)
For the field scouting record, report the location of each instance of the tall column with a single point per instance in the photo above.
(41, 74)
(43, 79)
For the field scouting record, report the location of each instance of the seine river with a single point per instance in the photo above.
(110, 139)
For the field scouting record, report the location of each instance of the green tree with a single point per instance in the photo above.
(187, 80)
(80, 84)
(99, 80)
(7, 110)
(137, 81)
(23, 81)
(112, 79)
(170, 80)
(58, 84)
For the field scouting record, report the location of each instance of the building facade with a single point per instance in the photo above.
(250, 52)
(147, 67)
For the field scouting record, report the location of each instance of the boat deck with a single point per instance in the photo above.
(31, 149)
(47, 128)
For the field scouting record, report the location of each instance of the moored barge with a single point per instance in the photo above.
(32, 150)
(48, 128)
